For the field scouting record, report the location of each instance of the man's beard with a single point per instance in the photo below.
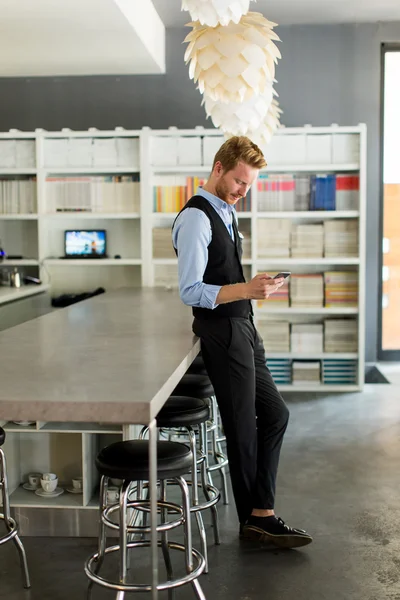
(222, 192)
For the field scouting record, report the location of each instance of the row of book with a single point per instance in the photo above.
(111, 194)
(18, 196)
(172, 196)
(162, 243)
(313, 372)
(333, 336)
(288, 192)
(283, 238)
(92, 152)
(331, 289)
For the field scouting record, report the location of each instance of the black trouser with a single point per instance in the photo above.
(253, 413)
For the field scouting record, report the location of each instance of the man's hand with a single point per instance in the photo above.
(259, 288)
(262, 286)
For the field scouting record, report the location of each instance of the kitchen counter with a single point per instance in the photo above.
(9, 294)
(114, 358)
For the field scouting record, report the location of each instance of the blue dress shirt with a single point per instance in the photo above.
(191, 236)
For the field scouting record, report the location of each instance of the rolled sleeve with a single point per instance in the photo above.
(191, 237)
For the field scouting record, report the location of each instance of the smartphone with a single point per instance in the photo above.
(284, 274)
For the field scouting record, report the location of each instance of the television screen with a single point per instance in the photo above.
(85, 243)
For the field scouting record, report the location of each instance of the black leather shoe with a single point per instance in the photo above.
(273, 530)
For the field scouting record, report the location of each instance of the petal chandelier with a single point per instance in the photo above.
(233, 63)
(216, 12)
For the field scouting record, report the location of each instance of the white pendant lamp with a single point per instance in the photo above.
(235, 62)
(238, 118)
(216, 12)
(263, 134)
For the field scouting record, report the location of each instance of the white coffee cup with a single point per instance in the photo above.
(49, 476)
(112, 495)
(34, 480)
(49, 485)
(77, 483)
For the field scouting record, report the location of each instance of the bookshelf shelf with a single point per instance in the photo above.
(90, 215)
(20, 261)
(310, 214)
(314, 356)
(91, 170)
(18, 217)
(306, 311)
(307, 261)
(312, 168)
(104, 262)
(18, 171)
(323, 389)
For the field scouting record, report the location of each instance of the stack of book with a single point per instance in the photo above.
(304, 372)
(341, 335)
(162, 243)
(302, 191)
(276, 192)
(281, 370)
(279, 299)
(275, 334)
(273, 238)
(347, 192)
(307, 240)
(341, 238)
(341, 289)
(307, 290)
(307, 338)
(340, 372)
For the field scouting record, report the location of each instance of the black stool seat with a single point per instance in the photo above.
(130, 460)
(197, 367)
(180, 411)
(2, 436)
(195, 386)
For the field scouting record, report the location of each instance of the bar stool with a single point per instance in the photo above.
(129, 461)
(199, 386)
(184, 414)
(11, 524)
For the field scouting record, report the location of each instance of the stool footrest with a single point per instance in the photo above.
(144, 505)
(126, 587)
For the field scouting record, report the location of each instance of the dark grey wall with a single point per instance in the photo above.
(328, 74)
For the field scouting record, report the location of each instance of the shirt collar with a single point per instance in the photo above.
(215, 201)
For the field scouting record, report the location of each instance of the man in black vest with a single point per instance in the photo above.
(254, 415)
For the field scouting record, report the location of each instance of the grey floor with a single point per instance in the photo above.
(339, 479)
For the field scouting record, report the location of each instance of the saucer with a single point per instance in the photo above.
(27, 486)
(57, 492)
(72, 490)
(24, 423)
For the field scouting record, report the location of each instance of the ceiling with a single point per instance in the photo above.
(80, 37)
(291, 12)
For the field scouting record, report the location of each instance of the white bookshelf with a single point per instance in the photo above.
(331, 150)
(175, 155)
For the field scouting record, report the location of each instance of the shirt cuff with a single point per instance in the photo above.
(209, 295)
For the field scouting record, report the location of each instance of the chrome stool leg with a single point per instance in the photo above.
(164, 539)
(195, 497)
(10, 523)
(219, 456)
(206, 479)
(188, 537)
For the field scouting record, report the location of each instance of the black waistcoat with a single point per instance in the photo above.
(223, 266)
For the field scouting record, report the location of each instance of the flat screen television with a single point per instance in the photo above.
(85, 243)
